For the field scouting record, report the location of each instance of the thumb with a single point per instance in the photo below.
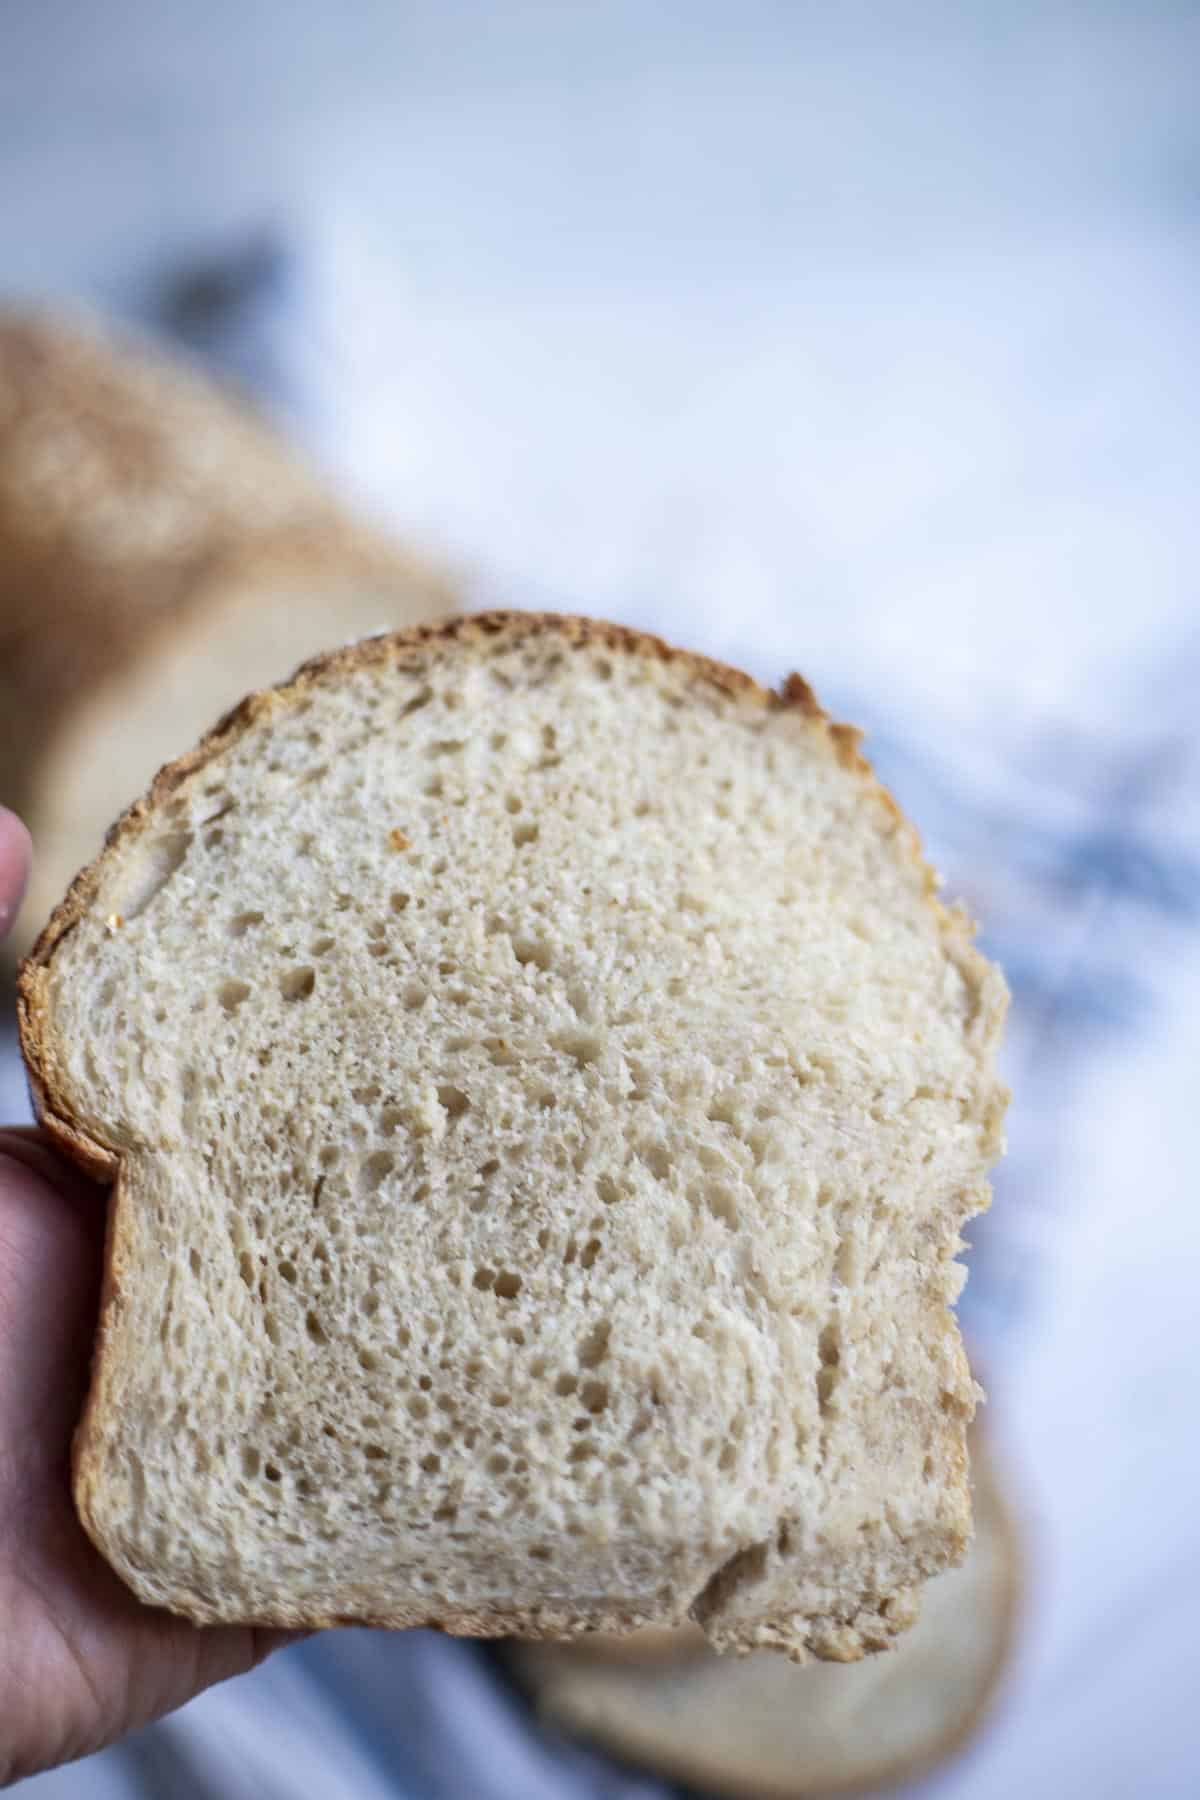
(15, 855)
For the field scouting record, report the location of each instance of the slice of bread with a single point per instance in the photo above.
(755, 1729)
(543, 1094)
(161, 551)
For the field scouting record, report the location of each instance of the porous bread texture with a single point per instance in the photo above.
(755, 1729)
(544, 1095)
(161, 551)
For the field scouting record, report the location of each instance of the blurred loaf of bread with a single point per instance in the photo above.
(759, 1728)
(161, 551)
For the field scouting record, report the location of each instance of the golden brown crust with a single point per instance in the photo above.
(404, 649)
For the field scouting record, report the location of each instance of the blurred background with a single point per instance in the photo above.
(861, 339)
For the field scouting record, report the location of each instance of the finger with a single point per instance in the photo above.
(49, 1279)
(28, 1144)
(15, 854)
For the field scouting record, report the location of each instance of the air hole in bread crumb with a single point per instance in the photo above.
(525, 834)
(727, 1459)
(829, 1346)
(507, 1285)
(530, 950)
(232, 993)
(498, 1464)
(149, 875)
(583, 1047)
(589, 1253)
(566, 1384)
(323, 945)
(315, 1329)
(594, 1396)
(657, 1159)
(374, 1452)
(297, 984)
(721, 1204)
(594, 1347)
(272, 1473)
(484, 1279)
(607, 1190)
(431, 1463)
(375, 1170)
(251, 1462)
(288, 1271)
(453, 1101)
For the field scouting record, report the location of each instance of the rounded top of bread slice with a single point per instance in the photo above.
(544, 1095)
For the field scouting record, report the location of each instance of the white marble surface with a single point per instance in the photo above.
(862, 338)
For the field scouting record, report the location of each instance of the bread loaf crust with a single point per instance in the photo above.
(135, 493)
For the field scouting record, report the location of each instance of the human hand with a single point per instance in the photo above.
(82, 1662)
